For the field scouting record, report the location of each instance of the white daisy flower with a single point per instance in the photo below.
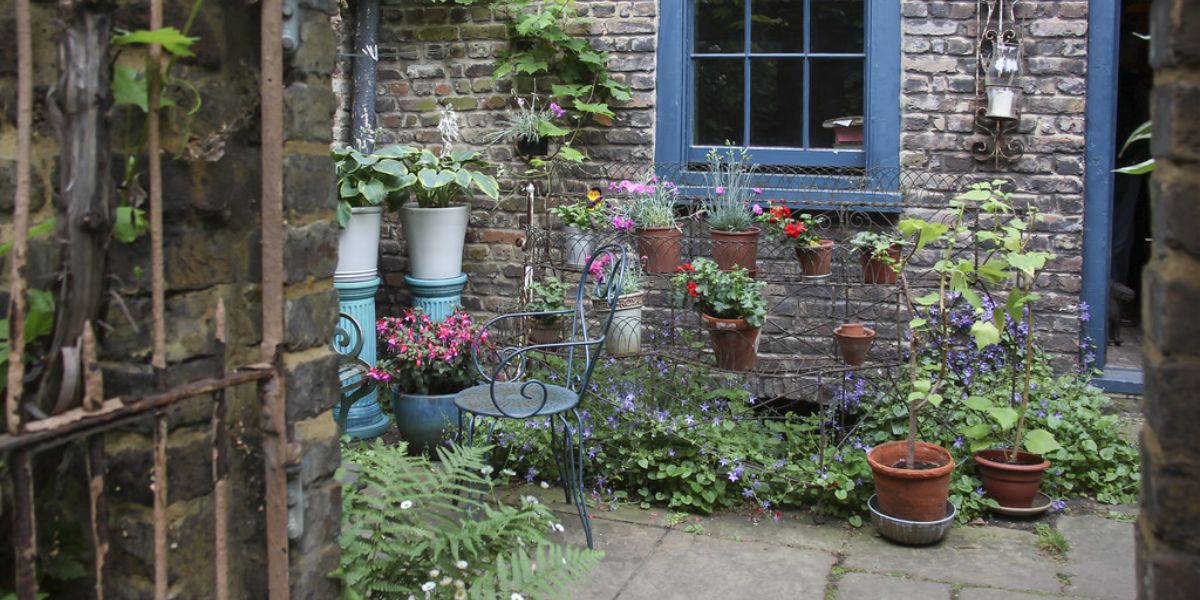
(428, 586)
(508, 472)
(516, 596)
(462, 564)
(559, 527)
(486, 470)
(407, 504)
(433, 573)
(545, 486)
(445, 581)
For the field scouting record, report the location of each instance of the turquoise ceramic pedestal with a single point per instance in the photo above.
(437, 297)
(366, 419)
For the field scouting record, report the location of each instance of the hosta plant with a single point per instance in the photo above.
(372, 179)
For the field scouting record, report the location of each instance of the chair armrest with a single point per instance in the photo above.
(477, 342)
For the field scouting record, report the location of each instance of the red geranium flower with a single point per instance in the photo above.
(692, 289)
(793, 230)
(685, 267)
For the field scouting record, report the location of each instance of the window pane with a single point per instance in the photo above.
(720, 26)
(719, 102)
(835, 90)
(777, 102)
(837, 25)
(777, 25)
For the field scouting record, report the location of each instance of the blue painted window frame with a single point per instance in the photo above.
(881, 144)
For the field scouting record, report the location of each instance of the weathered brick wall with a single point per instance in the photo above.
(432, 54)
(212, 233)
(1168, 533)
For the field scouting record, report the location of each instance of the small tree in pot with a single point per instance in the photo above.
(732, 307)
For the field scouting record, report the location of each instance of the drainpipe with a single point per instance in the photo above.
(366, 57)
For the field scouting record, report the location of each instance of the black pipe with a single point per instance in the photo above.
(366, 54)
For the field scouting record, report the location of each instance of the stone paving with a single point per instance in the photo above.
(650, 554)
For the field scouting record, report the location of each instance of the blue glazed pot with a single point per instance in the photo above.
(424, 420)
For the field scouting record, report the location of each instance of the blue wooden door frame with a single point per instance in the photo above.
(1104, 27)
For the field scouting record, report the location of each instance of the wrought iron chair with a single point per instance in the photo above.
(352, 371)
(509, 394)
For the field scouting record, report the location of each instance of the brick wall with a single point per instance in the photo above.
(1168, 532)
(439, 54)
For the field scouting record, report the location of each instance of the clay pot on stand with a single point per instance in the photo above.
(732, 249)
(578, 245)
(816, 261)
(912, 494)
(854, 342)
(545, 330)
(662, 247)
(878, 271)
(1013, 485)
(735, 342)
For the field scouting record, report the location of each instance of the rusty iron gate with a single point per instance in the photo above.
(88, 422)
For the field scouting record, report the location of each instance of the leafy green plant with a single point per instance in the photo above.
(441, 179)
(782, 224)
(583, 214)
(730, 176)
(877, 245)
(648, 204)
(371, 179)
(410, 527)
(548, 295)
(729, 294)
(39, 322)
(530, 122)
(1050, 541)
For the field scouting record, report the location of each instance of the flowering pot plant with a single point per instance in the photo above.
(530, 126)
(648, 209)
(625, 333)
(728, 211)
(880, 255)
(547, 296)
(581, 219)
(731, 305)
(800, 230)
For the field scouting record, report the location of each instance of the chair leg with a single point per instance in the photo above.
(573, 455)
(558, 447)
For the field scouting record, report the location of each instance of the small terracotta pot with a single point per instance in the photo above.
(662, 247)
(816, 261)
(732, 249)
(545, 330)
(854, 342)
(734, 342)
(877, 271)
(1013, 485)
(911, 494)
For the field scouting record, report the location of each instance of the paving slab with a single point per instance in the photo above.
(688, 567)
(1101, 559)
(866, 585)
(994, 594)
(980, 556)
(794, 529)
(625, 546)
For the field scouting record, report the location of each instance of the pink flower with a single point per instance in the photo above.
(757, 191)
(521, 102)
(757, 208)
(557, 110)
(720, 190)
(622, 223)
(378, 374)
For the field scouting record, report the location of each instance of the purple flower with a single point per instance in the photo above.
(1058, 505)
(736, 473)
(747, 492)
(757, 208)
(622, 223)
(557, 110)
(958, 442)
(757, 192)
(720, 190)
(520, 102)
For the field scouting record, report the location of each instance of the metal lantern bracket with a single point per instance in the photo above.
(996, 127)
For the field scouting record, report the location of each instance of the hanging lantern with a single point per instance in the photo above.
(1001, 82)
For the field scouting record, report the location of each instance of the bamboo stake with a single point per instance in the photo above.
(17, 303)
(160, 507)
(158, 359)
(220, 455)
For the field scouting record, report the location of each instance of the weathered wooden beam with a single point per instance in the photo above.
(161, 573)
(17, 302)
(99, 512)
(220, 455)
(24, 525)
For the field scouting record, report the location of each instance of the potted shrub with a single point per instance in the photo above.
(625, 334)
(879, 254)
(425, 364)
(801, 231)
(549, 295)
(1012, 477)
(435, 224)
(731, 306)
(530, 126)
(365, 183)
(727, 210)
(648, 209)
(580, 221)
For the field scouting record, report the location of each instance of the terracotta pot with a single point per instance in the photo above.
(734, 342)
(1013, 485)
(815, 261)
(545, 330)
(731, 249)
(854, 341)
(876, 271)
(533, 149)
(911, 494)
(662, 247)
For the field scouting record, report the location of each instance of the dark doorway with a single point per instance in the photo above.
(1131, 194)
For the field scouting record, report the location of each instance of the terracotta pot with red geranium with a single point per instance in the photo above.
(728, 209)
(731, 305)
(647, 208)
(801, 230)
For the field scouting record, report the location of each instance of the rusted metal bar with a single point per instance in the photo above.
(274, 415)
(24, 525)
(160, 506)
(220, 436)
(17, 306)
(59, 429)
(158, 357)
(99, 512)
(93, 377)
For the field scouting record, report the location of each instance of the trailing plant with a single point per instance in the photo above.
(582, 214)
(730, 177)
(547, 296)
(412, 528)
(372, 179)
(784, 225)
(646, 205)
(729, 294)
(420, 356)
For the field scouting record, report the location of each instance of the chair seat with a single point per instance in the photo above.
(478, 400)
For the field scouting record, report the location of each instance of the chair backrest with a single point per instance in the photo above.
(600, 282)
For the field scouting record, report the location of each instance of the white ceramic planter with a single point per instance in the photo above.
(358, 246)
(625, 335)
(578, 245)
(435, 238)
